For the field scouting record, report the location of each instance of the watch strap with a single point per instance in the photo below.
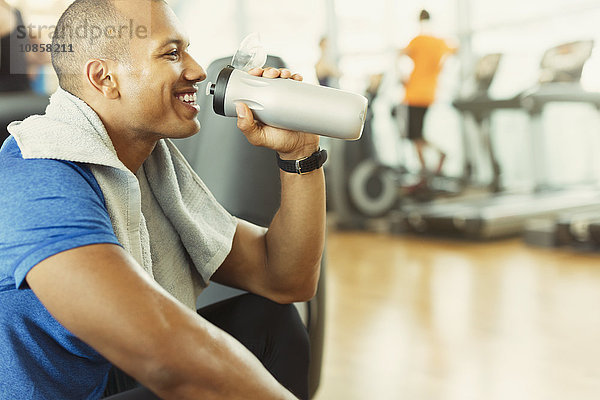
(303, 165)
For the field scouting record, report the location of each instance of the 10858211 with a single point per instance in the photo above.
(45, 48)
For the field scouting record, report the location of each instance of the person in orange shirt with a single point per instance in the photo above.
(428, 54)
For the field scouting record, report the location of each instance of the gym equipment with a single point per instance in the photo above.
(505, 214)
(571, 228)
(540, 232)
(574, 229)
(373, 187)
(560, 72)
(561, 69)
(492, 216)
(568, 228)
(344, 157)
(479, 107)
(594, 230)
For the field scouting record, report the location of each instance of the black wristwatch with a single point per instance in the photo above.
(303, 165)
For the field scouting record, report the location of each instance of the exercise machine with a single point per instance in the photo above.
(560, 75)
(476, 110)
(505, 214)
(375, 187)
(572, 229)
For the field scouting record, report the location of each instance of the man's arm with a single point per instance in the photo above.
(100, 294)
(283, 262)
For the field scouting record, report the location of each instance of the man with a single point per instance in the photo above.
(106, 235)
(326, 69)
(428, 54)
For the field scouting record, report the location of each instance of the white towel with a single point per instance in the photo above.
(70, 130)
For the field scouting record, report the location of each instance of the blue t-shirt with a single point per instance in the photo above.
(46, 207)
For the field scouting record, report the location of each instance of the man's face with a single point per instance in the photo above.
(157, 89)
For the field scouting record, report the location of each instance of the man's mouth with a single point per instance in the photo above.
(188, 98)
(189, 101)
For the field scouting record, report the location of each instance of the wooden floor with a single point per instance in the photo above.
(413, 318)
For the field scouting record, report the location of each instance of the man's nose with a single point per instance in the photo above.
(193, 71)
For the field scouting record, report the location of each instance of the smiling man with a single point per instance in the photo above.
(107, 236)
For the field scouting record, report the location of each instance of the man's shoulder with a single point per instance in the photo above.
(19, 175)
(12, 162)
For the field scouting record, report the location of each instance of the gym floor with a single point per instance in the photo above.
(421, 318)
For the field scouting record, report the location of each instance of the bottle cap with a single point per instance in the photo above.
(250, 54)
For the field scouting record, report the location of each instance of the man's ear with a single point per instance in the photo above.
(99, 74)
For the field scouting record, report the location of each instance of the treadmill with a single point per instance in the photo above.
(561, 69)
(594, 231)
(577, 229)
(478, 107)
(505, 214)
(494, 217)
(572, 228)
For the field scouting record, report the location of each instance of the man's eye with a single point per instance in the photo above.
(173, 53)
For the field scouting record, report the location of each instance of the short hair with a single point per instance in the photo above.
(73, 43)
(424, 15)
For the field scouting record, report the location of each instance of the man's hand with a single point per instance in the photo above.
(290, 145)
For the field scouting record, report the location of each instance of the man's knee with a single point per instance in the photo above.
(270, 312)
(281, 320)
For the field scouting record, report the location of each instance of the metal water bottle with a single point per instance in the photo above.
(286, 103)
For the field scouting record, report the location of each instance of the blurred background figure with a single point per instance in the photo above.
(326, 68)
(13, 62)
(21, 66)
(428, 54)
